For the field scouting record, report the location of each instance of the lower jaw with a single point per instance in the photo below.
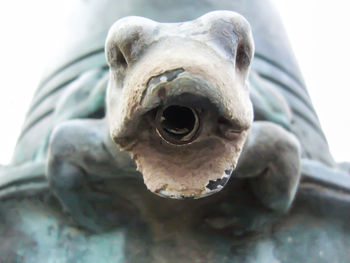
(212, 187)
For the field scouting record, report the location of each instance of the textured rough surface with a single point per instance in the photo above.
(71, 195)
(84, 52)
(313, 231)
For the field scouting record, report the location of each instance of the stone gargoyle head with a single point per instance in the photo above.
(178, 99)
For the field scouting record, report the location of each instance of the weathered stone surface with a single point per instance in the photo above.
(71, 195)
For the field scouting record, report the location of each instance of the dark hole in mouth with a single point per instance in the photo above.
(177, 124)
(178, 120)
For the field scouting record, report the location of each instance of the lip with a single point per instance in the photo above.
(211, 188)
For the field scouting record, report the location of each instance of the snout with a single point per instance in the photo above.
(181, 105)
(183, 134)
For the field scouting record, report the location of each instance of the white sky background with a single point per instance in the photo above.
(318, 30)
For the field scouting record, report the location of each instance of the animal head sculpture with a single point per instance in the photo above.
(178, 99)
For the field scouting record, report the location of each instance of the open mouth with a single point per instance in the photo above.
(178, 124)
(181, 134)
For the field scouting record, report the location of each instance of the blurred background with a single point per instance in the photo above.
(318, 31)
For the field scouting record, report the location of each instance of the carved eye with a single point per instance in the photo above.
(242, 57)
(116, 58)
(127, 39)
(121, 59)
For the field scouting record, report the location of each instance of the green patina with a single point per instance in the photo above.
(229, 226)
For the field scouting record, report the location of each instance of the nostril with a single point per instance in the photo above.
(229, 129)
(177, 124)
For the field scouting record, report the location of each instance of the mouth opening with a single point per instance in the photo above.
(177, 124)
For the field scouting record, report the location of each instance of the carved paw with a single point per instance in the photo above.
(71, 170)
(271, 162)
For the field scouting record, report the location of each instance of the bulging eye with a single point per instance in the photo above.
(121, 59)
(243, 57)
(127, 39)
(116, 58)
